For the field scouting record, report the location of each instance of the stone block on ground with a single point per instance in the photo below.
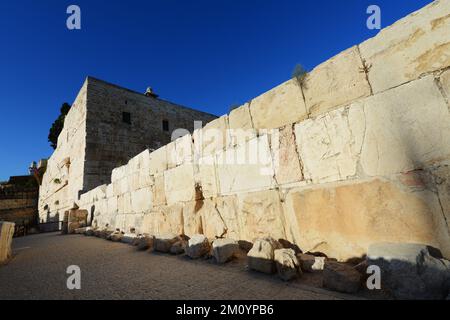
(261, 256)
(129, 238)
(411, 271)
(145, 242)
(287, 264)
(198, 246)
(225, 249)
(164, 242)
(178, 247)
(310, 263)
(80, 230)
(341, 277)
(6, 235)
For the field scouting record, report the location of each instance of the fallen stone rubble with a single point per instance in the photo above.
(408, 271)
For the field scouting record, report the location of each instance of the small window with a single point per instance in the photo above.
(165, 125)
(126, 117)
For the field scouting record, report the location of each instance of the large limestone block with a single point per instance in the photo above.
(164, 241)
(141, 200)
(171, 155)
(118, 173)
(124, 203)
(179, 184)
(278, 107)
(341, 277)
(184, 149)
(336, 82)
(241, 125)
(212, 137)
(158, 161)
(245, 168)
(407, 128)
(225, 250)
(202, 216)
(228, 209)
(342, 220)
(159, 193)
(205, 176)
(164, 219)
(6, 236)
(287, 264)
(261, 256)
(285, 157)
(198, 246)
(261, 214)
(414, 45)
(329, 146)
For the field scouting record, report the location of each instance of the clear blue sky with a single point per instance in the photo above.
(204, 54)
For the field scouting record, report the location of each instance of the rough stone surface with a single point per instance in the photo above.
(329, 146)
(342, 220)
(179, 184)
(260, 214)
(287, 264)
(278, 107)
(245, 168)
(411, 271)
(414, 45)
(407, 128)
(164, 242)
(225, 249)
(145, 242)
(6, 235)
(341, 277)
(336, 82)
(261, 256)
(285, 157)
(241, 125)
(178, 247)
(310, 263)
(198, 246)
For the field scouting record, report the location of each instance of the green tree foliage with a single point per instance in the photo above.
(58, 125)
(300, 74)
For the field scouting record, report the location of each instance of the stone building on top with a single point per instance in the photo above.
(106, 126)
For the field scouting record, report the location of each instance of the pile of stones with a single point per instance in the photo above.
(408, 271)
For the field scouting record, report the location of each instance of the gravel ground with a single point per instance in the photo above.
(118, 271)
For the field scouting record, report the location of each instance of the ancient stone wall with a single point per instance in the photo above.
(356, 154)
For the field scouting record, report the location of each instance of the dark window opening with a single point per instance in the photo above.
(165, 125)
(126, 101)
(126, 117)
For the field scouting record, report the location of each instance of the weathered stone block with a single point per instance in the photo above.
(158, 161)
(342, 220)
(285, 157)
(240, 125)
(445, 81)
(329, 146)
(414, 45)
(407, 128)
(341, 277)
(225, 249)
(179, 184)
(164, 219)
(171, 155)
(159, 193)
(141, 200)
(205, 176)
(6, 236)
(261, 214)
(202, 216)
(261, 256)
(245, 168)
(213, 137)
(228, 209)
(336, 82)
(278, 107)
(163, 242)
(198, 246)
(287, 264)
(184, 149)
